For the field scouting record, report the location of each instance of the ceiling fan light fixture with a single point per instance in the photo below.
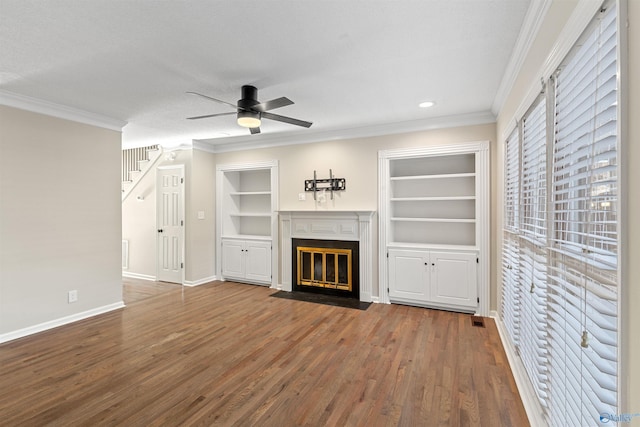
(249, 119)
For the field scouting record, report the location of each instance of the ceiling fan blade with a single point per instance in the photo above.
(214, 99)
(273, 104)
(284, 119)
(209, 115)
(254, 130)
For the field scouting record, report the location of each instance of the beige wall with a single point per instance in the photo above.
(356, 160)
(557, 18)
(200, 249)
(60, 221)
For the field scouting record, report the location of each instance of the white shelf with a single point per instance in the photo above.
(404, 245)
(251, 214)
(431, 199)
(439, 176)
(246, 237)
(250, 193)
(461, 220)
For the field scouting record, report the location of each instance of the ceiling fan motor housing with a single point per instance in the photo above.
(249, 99)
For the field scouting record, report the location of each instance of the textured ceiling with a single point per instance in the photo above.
(346, 64)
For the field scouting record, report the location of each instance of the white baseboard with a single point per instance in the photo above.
(525, 388)
(199, 282)
(138, 276)
(9, 336)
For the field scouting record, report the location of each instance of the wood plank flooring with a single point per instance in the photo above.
(227, 354)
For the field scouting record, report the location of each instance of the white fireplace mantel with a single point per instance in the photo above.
(328, 225)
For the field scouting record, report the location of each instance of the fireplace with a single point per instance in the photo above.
(326, 229)
(326, 266)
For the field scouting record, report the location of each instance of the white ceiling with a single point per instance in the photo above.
(347, 64)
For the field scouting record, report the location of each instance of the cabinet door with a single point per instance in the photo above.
(258, 261)
(408, 275)
(454, 278)
(233, 260)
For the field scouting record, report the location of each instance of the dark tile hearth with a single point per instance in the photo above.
(323, 299)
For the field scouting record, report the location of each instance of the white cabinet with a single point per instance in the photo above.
(246, 222)
(454, 280)
(233, 259)
(434, 226)
(433, 278)
(247, 260)
(408, 275)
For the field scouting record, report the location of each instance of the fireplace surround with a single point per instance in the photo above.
(354, 226)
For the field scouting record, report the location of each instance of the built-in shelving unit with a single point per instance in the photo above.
(433, 205)
(246, 202)
(432, 200)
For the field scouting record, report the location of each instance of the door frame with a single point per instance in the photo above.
(181, 209)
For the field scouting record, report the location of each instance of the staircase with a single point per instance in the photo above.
(136, 162)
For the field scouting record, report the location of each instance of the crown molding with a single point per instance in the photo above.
(530, 27)
(578, 21)
(224, 145)
(48, 108)
(203, 146)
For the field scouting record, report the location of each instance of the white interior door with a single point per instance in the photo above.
(170, 223)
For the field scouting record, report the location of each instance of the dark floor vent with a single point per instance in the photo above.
(477, 321)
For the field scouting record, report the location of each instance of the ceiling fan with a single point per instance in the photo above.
(250, 111)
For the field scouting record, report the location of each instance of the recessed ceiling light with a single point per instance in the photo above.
(426, 104)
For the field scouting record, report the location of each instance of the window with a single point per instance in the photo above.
(534, 172)
(584, 251)
(560, 239)
(533, 254)
(510, 301)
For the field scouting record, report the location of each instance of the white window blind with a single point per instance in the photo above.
(585, 163)
(511, 290)
(582, 280)
(512, 181)
(533, 251)
(560, 238)
(534, 172)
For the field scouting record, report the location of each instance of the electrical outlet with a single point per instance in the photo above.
(302, 197)
(73, 296)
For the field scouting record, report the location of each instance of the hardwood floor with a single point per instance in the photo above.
(135, 290)
(228, 354)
